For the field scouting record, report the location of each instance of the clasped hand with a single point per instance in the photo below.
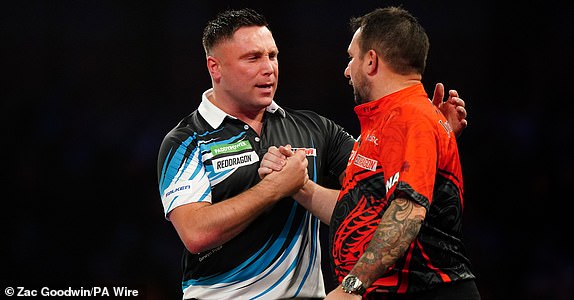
(285, 166)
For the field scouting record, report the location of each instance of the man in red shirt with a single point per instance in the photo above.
(396, 227)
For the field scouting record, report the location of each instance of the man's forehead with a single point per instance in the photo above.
(253, 34)
(354, 44)
(252, 39)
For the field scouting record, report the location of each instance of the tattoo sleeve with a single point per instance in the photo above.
(399, 226)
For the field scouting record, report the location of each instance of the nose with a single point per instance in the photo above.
(267, 65)
(347, 71)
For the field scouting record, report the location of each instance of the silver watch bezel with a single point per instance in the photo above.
(352, 285)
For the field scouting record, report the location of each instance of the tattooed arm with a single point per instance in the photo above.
(399, 226)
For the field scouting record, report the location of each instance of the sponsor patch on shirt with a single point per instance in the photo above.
(308, 151)
(446, 126)
(177, 189)
(392, 181)
(365, 162)
(235, 161)
(373, 139)
(230, 148)
(351, 157)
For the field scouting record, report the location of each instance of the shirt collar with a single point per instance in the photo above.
(215, 116)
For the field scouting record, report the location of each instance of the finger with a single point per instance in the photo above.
(461, 112)
(456, 101)
(453, 93)
(273, 162)
(438, 94)
(263, 171)
(286, 150)
(275, 152)
(300, 154)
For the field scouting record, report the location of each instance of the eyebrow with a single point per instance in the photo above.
(259, 53)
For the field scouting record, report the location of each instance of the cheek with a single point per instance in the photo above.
(351, 74)
(352, 69)
(246, 73)
(276, 67)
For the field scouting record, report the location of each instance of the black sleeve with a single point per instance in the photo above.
(339, 146)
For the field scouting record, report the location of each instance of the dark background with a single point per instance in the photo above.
(89, 89)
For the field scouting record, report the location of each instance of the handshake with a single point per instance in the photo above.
(286, 168)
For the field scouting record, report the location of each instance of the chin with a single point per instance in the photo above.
(263, 102)
(267, 98)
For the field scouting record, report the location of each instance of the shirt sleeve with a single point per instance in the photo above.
(182, 177)
(410, 158)
(340, 145)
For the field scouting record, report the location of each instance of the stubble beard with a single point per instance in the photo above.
(361, 92)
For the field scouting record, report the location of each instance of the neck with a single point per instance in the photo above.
(394, 83)
(250, 116)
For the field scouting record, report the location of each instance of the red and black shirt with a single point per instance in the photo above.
(406, 148)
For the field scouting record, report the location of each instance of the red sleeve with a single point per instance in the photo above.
(409, 156)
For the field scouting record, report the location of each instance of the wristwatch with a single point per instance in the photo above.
(352, 284)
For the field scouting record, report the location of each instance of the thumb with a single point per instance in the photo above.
(286, 150)
(438, 94)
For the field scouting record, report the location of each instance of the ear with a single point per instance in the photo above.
(372, 61)
(213, 66)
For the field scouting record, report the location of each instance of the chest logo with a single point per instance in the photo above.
(230, 148)
(373, 139)
(234, 161)
(308, 151)
(365, 162)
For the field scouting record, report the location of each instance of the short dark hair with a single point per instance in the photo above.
(396, 35)
(226, 23)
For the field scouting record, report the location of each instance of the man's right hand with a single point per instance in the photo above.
(453, 108)
(274, 159)
(286, 168)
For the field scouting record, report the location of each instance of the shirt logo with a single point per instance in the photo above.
(373, 139)
(234, 161)
(365, 162)
(392, 181)
(230, 148)
(446, 126)
(178, 189)
(308, 151)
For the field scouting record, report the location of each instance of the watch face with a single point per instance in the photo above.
(352, 284)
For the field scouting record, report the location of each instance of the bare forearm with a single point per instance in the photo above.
(399, 226)
(320, 201)
(205, 226)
